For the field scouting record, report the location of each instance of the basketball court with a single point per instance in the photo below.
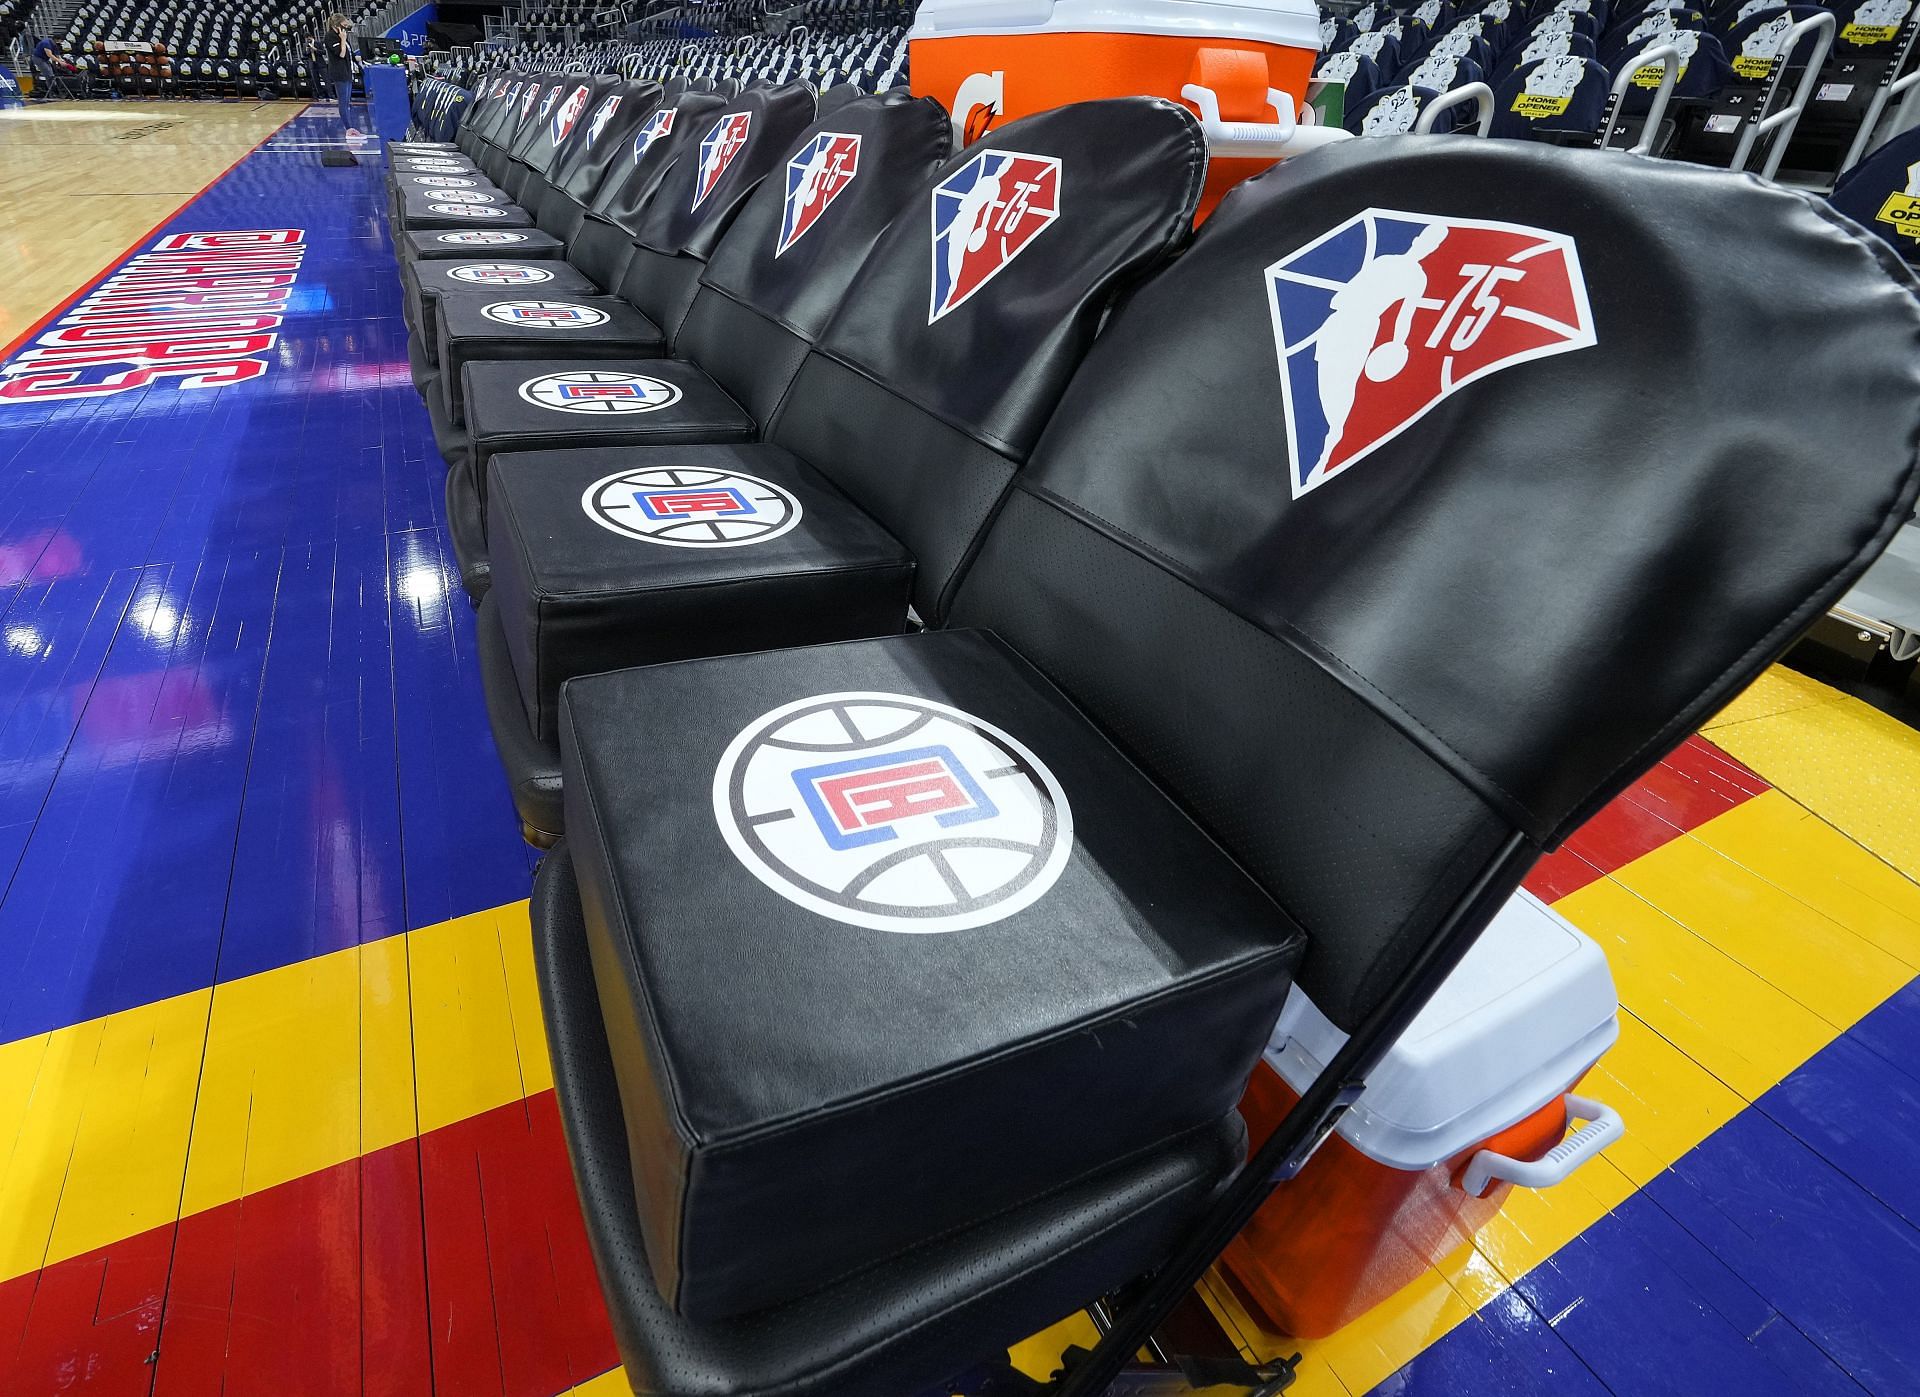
(85, 180)
(276, 1114)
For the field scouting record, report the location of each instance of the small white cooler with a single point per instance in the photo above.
(1477, 1096)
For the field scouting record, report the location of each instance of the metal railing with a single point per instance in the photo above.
(1780, 124)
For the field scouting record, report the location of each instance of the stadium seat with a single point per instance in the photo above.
(765, 294)
(889, 453)
(597, 158)
(1882, 194)
(1562, 100)
(1221, 674)
(696, 199)
(1390, 111)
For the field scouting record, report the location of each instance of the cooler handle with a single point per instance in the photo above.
(1257, 140)
(1603, 1127)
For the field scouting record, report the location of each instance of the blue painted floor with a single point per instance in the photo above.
(240, 730)
(237, 714)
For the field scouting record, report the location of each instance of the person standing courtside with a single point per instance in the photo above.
(336, 46)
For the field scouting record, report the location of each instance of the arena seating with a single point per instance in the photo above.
(199, 48)
(1882, 194)
(1732, 72)
(1064, 544)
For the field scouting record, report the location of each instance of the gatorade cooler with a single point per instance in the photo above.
(1476, 1097)
(1243, 68)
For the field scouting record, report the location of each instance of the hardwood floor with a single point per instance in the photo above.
(82, 181)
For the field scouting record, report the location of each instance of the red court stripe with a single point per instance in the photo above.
(136, 245)
(1696, 782)
(456, 1263)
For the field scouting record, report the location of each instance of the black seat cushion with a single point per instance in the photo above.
(425, 185)
(536, 327)
(616, 556)
(426, 282)
(561, 403)
(901, 1327)
(406, 174)
(890, 939)
(478, 242)
(423, 214)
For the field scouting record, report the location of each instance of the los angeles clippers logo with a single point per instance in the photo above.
(569, 113)
(599, 391)
(601, 117)
(717, 151)
(652, 130)
(686, 506)
(546, 314)
(815, 178)
(985, 214)
(1380, 319)
(892, 812)
(498, 274)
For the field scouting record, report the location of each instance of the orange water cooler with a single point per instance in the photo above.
(1478, 1096)
(1242, 68)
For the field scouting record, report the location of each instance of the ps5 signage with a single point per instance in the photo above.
(195, 310)
(411, 32)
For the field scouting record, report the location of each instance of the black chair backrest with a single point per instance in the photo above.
(1380, 535)
(703, 191)
(571, 122)
(951, 347)
(536, 105)
(561, 118)
(783, 267)
(496, 115)
(629, 184)
(602, 141)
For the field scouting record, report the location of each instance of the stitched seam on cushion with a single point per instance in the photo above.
(688, 1136)
(1251, 966)
(1081, 1244)
(604, 594)
(518, 538)
(1292, 636)
(935, 1239)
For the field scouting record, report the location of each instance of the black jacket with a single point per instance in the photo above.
(339, 66)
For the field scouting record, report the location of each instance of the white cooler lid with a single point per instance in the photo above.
(1530, 1008)
(1295, 23)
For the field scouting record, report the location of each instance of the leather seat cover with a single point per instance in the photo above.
(426, 282)
(423, 214)
(649, 153)
(1364, 671)
(454, 243)
(774, 281)
(577, 597)
(720, 169)
(805, 1096)
(897, 382)
(503, 417)
(900, 1327)
(468, 332)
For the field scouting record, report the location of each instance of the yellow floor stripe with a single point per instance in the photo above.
(126, 1122)
(1848, 763)
(1739, 950)
(609, 1384)
(1719, 1009)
